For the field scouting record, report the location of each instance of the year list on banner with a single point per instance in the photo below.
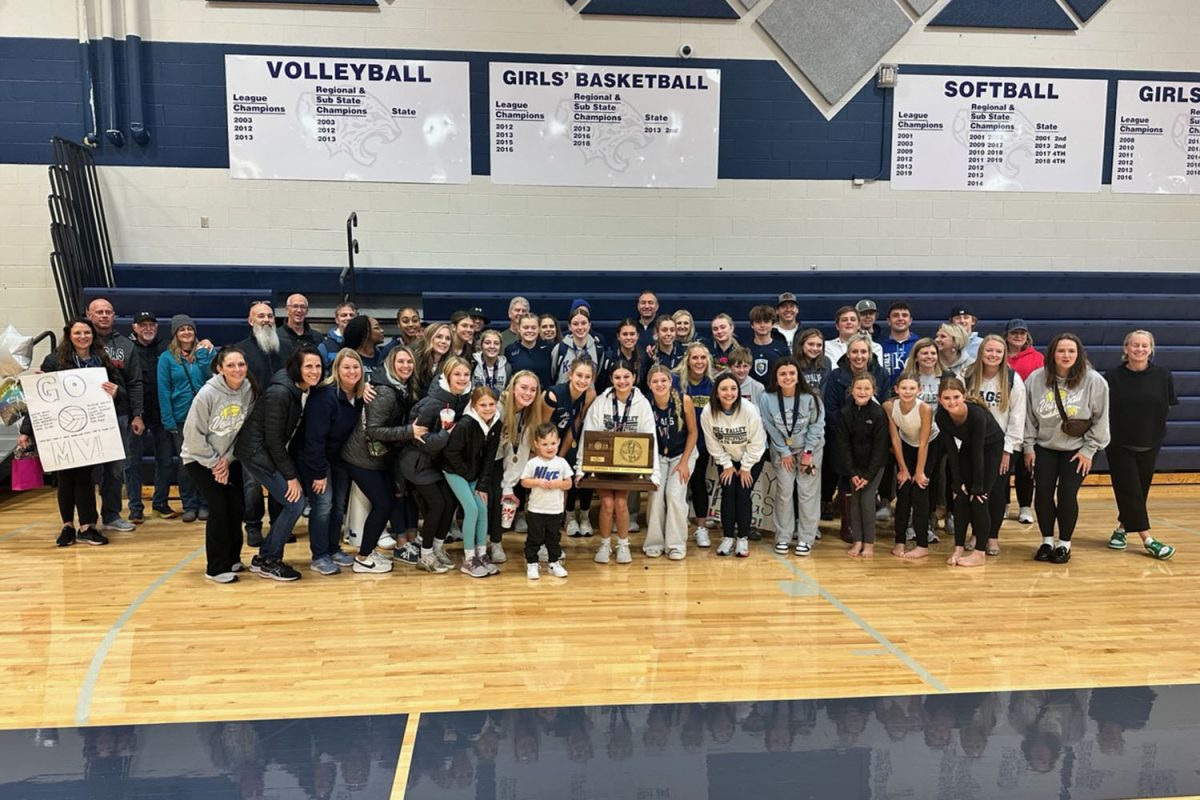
(569, 125)
(986, 134)
(338, 119)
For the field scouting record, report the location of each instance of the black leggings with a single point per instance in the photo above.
(1023, 479)
(998, 494)
(976, 512)
(1054, 470)
(698, 485)
(911, 497)
(1132, 472)
(380, 489)
(494, 528)
(736, 503)
(439, 507)
(77, 492)
(226, 507)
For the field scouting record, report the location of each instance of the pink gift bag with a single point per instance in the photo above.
(27, 473)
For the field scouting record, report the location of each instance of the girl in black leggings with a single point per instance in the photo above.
(973, 469)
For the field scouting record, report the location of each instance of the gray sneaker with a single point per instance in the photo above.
(190, 515)
(428, 563)
(324, 566)
(341, 558)
(496, 553)
(439, 552)
(486, 560)
(120, 525)
(473, 567)
(604, 553)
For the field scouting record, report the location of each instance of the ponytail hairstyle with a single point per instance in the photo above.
(673, 395)
(912, 369)
(953, 384)
(218, 361)
(682, 314)
(974, 375)
(1130, 335)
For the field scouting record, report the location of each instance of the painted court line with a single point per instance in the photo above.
(404, 760)
(13, 533)
(83, 706)
(887, 644)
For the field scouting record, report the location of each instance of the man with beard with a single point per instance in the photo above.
(129, 414)
(155, 438)
(266, 353)
(295, 328)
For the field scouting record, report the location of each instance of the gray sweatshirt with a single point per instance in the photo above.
(214, 420)
(1043, 425)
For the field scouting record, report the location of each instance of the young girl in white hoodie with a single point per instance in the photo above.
(737, 442)
(620, 407)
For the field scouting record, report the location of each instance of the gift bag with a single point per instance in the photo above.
(27, 471)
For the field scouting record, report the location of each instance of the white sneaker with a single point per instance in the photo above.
(623, 554)
(573, 528)
(522, 525)
(604, 553)
(373, 564)
(726, 546)
(883, 513)
(531, 572)
(633, 526)
(702, 539)
(803, 548)
(910, 535)
(585, 526)
(439, 552)
(557, 569)
(709, 523)
(743, 548)
(652, 552)
(386, 542)
(677, 554)
(496, 553)
(543, 554)
(1007, 511)
(1025, 515)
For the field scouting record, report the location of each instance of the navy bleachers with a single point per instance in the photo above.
(1100, 307)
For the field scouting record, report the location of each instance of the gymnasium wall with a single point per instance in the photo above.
(785, 198)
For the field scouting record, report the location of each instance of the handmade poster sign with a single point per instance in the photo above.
(74, 420)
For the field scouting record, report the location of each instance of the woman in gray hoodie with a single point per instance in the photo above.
(209, 433)
(1066, 422)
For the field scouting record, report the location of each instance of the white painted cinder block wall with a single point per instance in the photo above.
(155, 212)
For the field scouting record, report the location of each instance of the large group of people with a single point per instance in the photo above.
(455, 421)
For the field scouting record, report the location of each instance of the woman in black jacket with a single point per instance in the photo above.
(370, 452)
(969, 425)
(437, 412)
(262, 447)
(79, 349)
(472, 446)
(862, 441)
(1140, 395)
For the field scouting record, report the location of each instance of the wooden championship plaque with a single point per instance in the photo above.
(621, 461)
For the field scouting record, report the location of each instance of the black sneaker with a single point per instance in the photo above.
(755, 535)
(91, 536)
(1043, 553)
(278, 571)
(256, 564)
(253, 538)
(66, 538)
(1061, 555)
(827, 511)
(291, 539)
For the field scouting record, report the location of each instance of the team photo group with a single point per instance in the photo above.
(464, 430)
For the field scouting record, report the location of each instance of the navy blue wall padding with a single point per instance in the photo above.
(711, 9)
(1086, 8)
(1021, 14)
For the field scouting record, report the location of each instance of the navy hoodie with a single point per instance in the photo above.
(329, 418)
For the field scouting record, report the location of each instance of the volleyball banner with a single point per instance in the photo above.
(74, 419)
(338, 119)
(991, 134)
(570, 125)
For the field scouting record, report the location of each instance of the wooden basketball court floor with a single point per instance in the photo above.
(132, 633)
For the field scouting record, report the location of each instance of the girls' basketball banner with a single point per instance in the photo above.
(990, 134)
(1156, 146)
(74, 420)
(338, 119)
(571, 125)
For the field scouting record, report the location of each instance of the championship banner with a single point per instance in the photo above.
(338, 119)
(570, 125)
(989, 134)
(1156, 146)
(74, 419)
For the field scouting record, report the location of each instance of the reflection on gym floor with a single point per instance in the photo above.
(1067, 744)
(278, 759)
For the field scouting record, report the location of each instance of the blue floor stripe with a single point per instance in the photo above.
(803, 578)
(13, 533)
(83, 706)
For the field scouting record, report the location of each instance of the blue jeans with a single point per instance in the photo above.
(189, 495)
(289, 512)
(165, 468)
(112, 477)
(326, 512)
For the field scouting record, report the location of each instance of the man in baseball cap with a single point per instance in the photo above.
(868, 311)
(964, 316)
(787, 313)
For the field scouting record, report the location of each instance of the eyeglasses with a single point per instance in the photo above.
(296, 306)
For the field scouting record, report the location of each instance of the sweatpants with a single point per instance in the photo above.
(1132, 471)
(737, 503)
(1056, 484)
(976, 512)
(380, 488)
(77, 492)
(912, 499)
(439, 511)
(806, 490)
(666, 519)
(226, 505)
(474, 525)
(698, 485)
(862, 511)
(544, 529)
